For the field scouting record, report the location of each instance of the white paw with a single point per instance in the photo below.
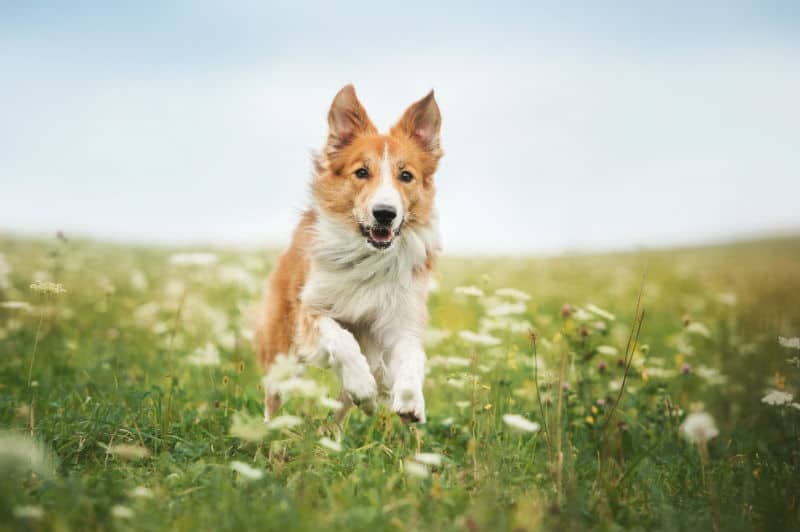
(360, 386)
(408, 401)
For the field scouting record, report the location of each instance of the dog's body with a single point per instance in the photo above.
(350, 292)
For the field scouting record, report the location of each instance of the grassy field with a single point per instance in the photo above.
(132, 400)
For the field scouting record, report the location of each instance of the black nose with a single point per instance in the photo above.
(384, 214)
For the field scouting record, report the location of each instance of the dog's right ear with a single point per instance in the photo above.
(347, 118)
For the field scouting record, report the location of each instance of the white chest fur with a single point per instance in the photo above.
(355, 284)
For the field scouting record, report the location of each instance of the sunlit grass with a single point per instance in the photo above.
(131, 398)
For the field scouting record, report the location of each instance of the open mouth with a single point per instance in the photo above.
(380, 236)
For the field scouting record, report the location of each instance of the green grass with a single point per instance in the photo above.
(112, 367)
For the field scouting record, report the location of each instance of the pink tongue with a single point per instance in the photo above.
(380, 234)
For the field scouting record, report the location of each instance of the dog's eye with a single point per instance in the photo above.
(362, 173)
(406, 176)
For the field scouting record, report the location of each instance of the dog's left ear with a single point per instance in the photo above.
(422, 122)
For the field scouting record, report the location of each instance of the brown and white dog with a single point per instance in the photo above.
(350, 292)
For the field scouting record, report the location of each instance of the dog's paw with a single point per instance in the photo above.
(408, 401)
(361, 388)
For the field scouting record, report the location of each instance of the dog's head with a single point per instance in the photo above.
(378, 184)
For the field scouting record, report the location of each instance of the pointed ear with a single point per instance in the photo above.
(422, 122)
(347, 118)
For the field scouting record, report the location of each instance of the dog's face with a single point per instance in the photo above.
(378, 184)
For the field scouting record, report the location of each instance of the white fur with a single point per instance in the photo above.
(373, 297)
(387, 193)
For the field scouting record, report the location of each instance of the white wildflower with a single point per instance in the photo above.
(415, 469)
(193, 259)
(472, 291)
(448, 421)
(333, 404)
(518, 422)
(430, 459)
(142, 492)
(506, 309)
(16, 305)
(791, 343)
(504, 323)
(699, 428)
(27, 511)
(121, 512)
(330, 444)
(145, 315)
(794, 361)
(462, 404)
(661, 373)
(238, 276)
(597, 311)
(49, 288)
(479, 339)
(608, 350)
(205, 356)
(284, 422)
(711, 375)
(512, 293)
(449, 362)
(284, 367)
(777, 398)
(246, 471)
(298, 386)
(580, 314)
(696, 327)
(127, 451)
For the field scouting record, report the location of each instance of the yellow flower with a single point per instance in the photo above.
(487, 406)
(590, 420)
(594, 410)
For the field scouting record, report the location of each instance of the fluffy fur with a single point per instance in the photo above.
(350, 292)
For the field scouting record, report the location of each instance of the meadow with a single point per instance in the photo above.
(130, 397)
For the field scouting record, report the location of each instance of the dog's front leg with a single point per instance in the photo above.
(345, 357)
(407, 374)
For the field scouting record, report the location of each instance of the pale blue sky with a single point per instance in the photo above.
(565, 128)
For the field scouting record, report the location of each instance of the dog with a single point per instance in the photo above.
(350, 293)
